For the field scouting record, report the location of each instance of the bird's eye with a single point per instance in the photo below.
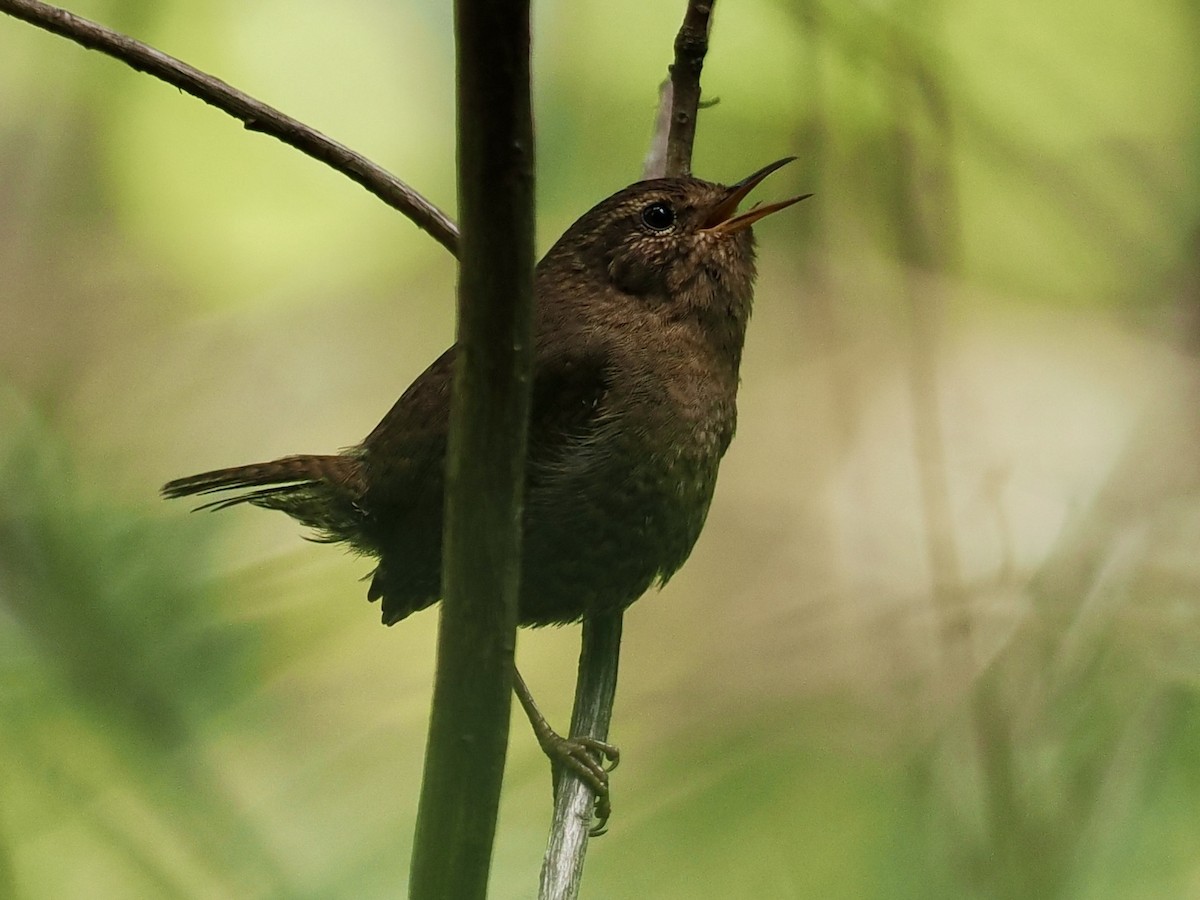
(659, 217)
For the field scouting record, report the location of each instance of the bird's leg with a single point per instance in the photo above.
(588, 758)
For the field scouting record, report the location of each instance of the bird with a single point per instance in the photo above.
(640, 316)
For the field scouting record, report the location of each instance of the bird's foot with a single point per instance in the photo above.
(590, 760)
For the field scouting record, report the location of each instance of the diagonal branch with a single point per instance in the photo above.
(256, 116)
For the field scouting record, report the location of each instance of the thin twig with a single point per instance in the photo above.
(256, 116)
(562, 866)
(691, 46)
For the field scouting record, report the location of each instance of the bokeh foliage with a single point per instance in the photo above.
(941, 637)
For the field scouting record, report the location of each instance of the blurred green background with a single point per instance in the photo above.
(941, 637)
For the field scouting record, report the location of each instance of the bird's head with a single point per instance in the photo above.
(670, 240)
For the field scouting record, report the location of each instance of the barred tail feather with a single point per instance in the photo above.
(321, 492)
(290, 469)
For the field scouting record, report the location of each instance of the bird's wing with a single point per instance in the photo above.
(405, 460)
(408, 447)
(567, 407)
(406, 450)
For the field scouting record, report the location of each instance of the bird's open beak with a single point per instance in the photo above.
(723, 218)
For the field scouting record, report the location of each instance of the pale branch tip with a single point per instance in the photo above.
(655, 164)
(254, 114)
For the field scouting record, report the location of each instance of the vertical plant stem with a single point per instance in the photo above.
(468, 732)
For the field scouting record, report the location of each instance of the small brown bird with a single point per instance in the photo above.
(640, 315)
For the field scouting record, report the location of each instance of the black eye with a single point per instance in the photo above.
(659, 216)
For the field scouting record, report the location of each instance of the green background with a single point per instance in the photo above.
(941, 637)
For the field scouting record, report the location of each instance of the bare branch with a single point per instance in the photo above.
(691, 46)
(256, 116)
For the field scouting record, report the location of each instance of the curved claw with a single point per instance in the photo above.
(604, 752)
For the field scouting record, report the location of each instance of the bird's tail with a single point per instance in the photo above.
(322, 492)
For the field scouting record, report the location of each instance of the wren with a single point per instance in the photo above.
(640, 316)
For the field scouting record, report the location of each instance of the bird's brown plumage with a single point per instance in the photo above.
(638, 330)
